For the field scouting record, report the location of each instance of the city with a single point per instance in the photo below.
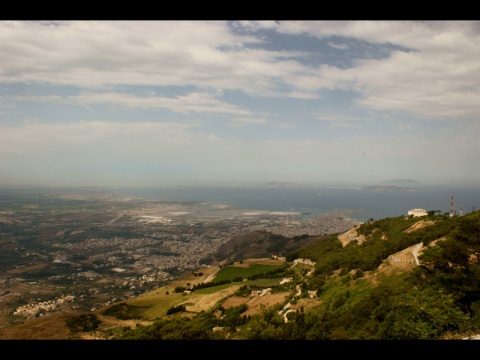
(82, 249)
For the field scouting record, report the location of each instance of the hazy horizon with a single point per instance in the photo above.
(228, 103)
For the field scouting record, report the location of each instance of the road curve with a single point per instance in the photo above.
(415, 252)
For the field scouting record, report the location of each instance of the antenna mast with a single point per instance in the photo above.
(451, 205)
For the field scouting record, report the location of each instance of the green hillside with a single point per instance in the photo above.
(415, 278)
(439, 299)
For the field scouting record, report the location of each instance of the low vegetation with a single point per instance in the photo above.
(84, 323)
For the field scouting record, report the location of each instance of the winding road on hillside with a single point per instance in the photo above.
(287, 306)
(415, 252)
(211, 276)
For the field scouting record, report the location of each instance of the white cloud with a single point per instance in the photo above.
(341, 117)
(200, 102)
(338, 46)
(416, 34)
(100, 54)
(420, 83)
(437, 79)
(241, 121)
(212, 73)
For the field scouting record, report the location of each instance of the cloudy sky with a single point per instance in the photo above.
(171, 102)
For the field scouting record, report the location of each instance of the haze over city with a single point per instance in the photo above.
(153, 103)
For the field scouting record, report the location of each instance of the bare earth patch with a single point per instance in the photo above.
(27, 269)
(235, 301)
(206, 302)
(257, 303)
(419, 225)
(404, 260)
(351, 235)
(50, 327)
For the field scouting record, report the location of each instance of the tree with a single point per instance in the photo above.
(421, 315)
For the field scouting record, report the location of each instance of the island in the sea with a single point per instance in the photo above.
(395, 185)
(285, 184)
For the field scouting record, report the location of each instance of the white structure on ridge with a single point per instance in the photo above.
(417, 212)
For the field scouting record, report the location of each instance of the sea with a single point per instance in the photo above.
(312, 201)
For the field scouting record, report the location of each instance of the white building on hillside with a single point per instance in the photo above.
(417, 212)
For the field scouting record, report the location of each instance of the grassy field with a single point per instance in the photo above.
(232, 272)
(155, 304)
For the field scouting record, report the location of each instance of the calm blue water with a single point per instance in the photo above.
(373, 204)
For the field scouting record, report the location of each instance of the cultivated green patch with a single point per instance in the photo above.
(233, 272)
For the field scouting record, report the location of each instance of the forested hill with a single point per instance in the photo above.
(258, 244)
(354, 298)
